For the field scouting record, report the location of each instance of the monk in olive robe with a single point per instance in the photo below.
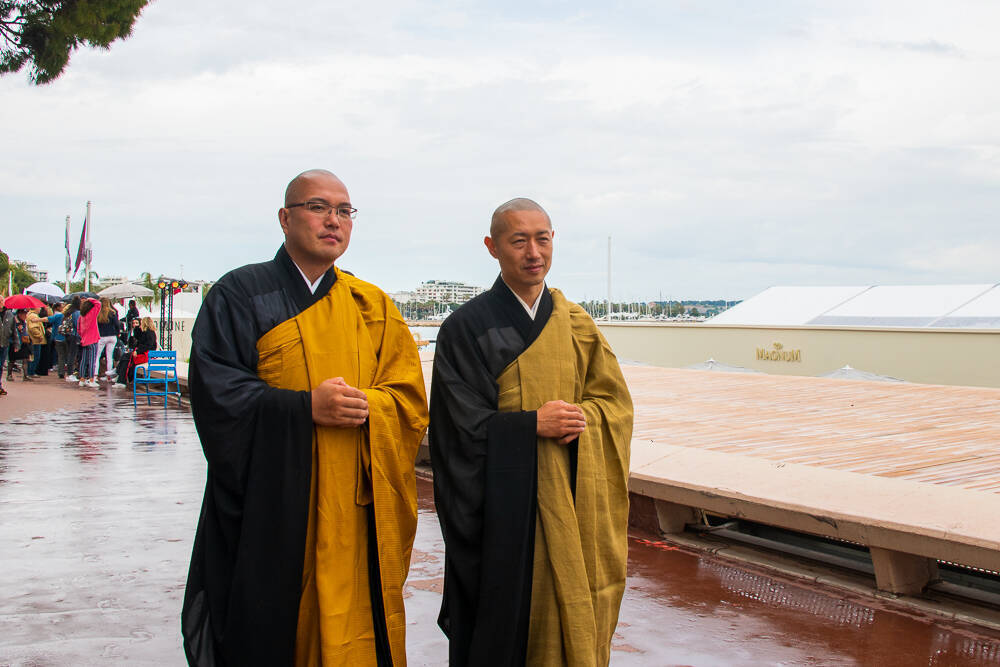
(306, 530)
(534, 520)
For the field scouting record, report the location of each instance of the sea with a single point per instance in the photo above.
(427, 333)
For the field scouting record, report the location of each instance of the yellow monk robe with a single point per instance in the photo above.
(581, 547)
(354, 332)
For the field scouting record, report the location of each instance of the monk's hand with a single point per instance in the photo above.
(336, 403)
(560, 420)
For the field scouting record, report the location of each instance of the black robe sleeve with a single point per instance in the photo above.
(243, 589)
(485, 484)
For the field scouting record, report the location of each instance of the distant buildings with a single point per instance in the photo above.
(403, 297)
(433, 299)
(32, 268)
(442, 291)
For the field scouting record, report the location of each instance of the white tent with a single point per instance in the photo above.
(903, 306)
(713, 365)
(849, 373)
(786, 305)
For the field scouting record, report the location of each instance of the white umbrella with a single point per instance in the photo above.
(45, 291)
(125, 291)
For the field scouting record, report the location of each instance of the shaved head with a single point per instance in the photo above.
(296, 184)
(315, 237)
(498, 224)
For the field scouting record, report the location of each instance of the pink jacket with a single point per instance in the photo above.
(87, 325)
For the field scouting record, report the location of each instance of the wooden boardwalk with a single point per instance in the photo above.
(926, 433)
(910, 471)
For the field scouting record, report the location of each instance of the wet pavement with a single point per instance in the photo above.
(98, 504)
(709, 612)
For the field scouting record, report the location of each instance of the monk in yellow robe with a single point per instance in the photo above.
(531, 422)
(308, 396)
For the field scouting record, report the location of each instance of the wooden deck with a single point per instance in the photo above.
(911, 471)
(925, 433)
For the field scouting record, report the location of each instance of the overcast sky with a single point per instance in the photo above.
(725, 146)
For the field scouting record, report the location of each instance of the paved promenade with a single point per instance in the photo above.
(98, 504)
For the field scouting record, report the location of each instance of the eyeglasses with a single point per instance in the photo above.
(317, 207)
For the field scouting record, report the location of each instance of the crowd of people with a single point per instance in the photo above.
(70, 341)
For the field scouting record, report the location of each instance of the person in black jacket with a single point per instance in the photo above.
(141, 340)
(72, 339)
(132, 314)
(8, 343)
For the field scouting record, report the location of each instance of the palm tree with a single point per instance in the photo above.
(19, 276)
(149, 283)
(4, 268)
(78, 285)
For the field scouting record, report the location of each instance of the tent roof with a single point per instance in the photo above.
(713, 365)
(786, 305)
(949, 306)
(849, 373)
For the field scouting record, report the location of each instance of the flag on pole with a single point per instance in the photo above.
(69, 257)
(82, 250)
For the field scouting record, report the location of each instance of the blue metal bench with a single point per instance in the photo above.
(158, 373)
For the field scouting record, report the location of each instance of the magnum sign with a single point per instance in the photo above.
(778, 354)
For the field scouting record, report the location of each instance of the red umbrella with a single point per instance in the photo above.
(19, 301)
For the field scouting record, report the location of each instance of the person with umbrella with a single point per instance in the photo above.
(59, 339)
(7, 339)
(36, 332)
(72, 334)
(22, 347)
(19, 340)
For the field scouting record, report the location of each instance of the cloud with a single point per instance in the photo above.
(723, 149)
(929, 46)
(975, 261)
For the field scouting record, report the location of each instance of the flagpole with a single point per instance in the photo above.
(68, 260)
(90, 223)
(608, 315)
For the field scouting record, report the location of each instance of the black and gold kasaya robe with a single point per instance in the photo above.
(305, 534)
(535, 532)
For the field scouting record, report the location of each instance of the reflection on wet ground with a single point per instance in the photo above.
(97, 511)
(97, 514)
(710, 612)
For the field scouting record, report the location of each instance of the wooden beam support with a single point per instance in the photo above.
(901, 573)
(673, 517)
